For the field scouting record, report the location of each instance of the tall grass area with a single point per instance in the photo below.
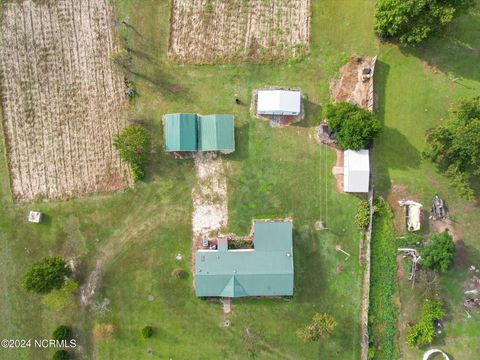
(383, 312)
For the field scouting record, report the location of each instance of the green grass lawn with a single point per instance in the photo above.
(415, 89)
(274, 172)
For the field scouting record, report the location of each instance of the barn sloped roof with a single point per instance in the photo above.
(216, 133)
(180, 132)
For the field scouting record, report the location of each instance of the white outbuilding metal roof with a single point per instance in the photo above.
(278, 102)
(356, 171)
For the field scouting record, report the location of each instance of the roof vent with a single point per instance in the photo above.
(289, 254)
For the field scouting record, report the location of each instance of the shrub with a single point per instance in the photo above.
(58, 299)
(61, 355)
(322, 326)
(179, 273)
(362, 217)
(455, 145)
(439, 254)
(355, 128)
(102, 332)
(423, 332)
(133, 144)
(46, 275)
(62, 333)
(412, 21)
(147, 332)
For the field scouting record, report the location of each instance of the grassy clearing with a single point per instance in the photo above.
(383, 312)
(272, 173)
(415, 89)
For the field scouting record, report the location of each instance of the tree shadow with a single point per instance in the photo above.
(456, 51)
(392, 149)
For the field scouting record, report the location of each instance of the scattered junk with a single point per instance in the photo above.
(35, 216)
(412, 214)
(415, 259)
(325, 135)
(339, 248)
(438, 326)
(432, 354)
(438, 209)
(355, 84)
(179, 257)
(319, 225)
(471, 299)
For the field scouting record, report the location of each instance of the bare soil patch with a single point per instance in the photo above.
(219, 31)
(62, 99)
(354, 84)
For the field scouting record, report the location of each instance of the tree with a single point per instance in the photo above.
(62, 333)
(133, 144)
(355, 128)
(61, 355)
(322, 326)
(439, 254)
(46, 275)
(455, 145)
(147, 332)
(412, 21)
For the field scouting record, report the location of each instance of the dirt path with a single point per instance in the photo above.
(210, 203)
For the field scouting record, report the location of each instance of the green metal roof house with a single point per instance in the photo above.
(180, 132)
(192, 132)
(266, 270)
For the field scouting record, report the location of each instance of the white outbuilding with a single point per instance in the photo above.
(279, 102)
(356, 171)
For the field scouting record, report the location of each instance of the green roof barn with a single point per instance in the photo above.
(266, 270)
(216, 133)
(180, 132)
(192, 132)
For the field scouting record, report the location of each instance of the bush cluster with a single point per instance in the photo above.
(423, 332)
(62, 333)
(438, 255)
(355, 128)
(411, 21)
(362, 217)
(46, 275)
(455, 145)
(147, 332)
(133, 144)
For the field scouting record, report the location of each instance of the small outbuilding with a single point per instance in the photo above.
(216, 133)
(180, 132)
(356, 171)
(279, 102)
(192, 133)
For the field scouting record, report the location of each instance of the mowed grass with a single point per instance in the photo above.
(415, 89)
(273, 173)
